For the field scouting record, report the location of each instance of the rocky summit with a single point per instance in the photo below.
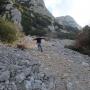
(67, 20)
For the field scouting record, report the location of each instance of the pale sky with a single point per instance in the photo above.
(78, 9)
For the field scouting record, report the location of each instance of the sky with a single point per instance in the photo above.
(78, 9)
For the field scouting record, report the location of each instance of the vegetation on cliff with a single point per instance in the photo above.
(8, 31)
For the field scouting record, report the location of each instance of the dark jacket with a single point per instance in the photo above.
(39, 39)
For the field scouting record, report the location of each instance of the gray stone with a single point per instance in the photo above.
(20, 77)
(37, 84)
(85, 64)
(35, 68)
(44, 86)
(52, 83)
(9, 6)
(14, 87)
(16, 15)
(11, 86)
(4, 76)
(27, 71)
(28, 85)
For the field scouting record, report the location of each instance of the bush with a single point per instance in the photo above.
(21, 46)
(82, 44)
(8, 31)
(83, 38)
(26, 22)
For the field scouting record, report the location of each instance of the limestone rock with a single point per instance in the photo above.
(13, 13)
(5, 76)
(67, 21)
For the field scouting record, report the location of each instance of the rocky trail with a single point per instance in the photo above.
(71, 68)
(56, 68)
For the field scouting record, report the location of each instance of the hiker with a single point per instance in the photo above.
(39, 39)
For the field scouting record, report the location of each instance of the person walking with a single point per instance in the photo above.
(39, 40)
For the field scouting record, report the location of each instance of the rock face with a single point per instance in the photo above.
(34, 19)
(36, 6)
(13, 14)
(20, 71)
(39, 17)
(66, 27)
(30, 15)
(67, 21)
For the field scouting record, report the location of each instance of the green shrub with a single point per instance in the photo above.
(8, 32)
(34, 25)
(26, 22)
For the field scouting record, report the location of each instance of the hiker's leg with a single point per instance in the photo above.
(40, 47)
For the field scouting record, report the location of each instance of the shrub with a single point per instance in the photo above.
(21, 46)
(26, 22)
(83, 38)
(8, 31)
(82, 44)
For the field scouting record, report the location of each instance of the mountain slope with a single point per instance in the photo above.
(30, 15)
(69, 29)
(67, 21)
